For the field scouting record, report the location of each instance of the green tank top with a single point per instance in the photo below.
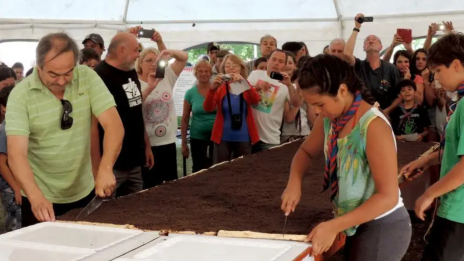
(355, 181)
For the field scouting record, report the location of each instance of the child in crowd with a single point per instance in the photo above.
(260, 64)
(89, 57)
(446, 59)
(361, 165)
(410, 121)
(10, 193)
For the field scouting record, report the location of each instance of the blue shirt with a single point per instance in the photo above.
(3, 184)
(228, 133)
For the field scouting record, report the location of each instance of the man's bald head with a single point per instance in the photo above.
(337, 47)
(121, 39)
(124, 49)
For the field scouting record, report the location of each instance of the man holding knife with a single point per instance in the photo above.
(48, 126)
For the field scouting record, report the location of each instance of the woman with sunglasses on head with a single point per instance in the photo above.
(361, 165)
(234, 130)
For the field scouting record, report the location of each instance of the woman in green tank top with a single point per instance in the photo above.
(361, 165)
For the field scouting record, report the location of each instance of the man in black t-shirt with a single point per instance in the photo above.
(380, 77)
(409, 119)
(119, 75)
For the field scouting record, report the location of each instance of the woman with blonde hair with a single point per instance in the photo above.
(158, 111)
(202, 121)
(234, 129)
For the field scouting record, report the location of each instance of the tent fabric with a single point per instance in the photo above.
(188, 23)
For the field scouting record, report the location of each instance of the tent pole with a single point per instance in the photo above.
(339, 18)
(235, 21)
(413, 15)
(126, 9)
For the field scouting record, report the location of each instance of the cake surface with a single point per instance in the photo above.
(243, 195)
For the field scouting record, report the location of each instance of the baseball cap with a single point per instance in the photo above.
(213, 45)
(96, 38)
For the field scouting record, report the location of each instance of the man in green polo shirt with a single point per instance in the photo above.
(48, 125)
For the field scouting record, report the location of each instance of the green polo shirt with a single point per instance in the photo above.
(452, 203)
(60, 159)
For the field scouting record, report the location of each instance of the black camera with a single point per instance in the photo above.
(277, 76)
(365, 19)
(236, 121)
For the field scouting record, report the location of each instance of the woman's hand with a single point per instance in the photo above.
(432, 29)
(396, 41)
(217, 82)
(407, 74)
(322, 238)
(400, 137)
(262, 86)
(291, 197)
(426, 75)
(185, 150)
(235, 77)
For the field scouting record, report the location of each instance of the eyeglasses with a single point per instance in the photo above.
(231, 66)
(150, 61)
(66, 120)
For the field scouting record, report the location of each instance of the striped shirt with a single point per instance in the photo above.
(60, 159)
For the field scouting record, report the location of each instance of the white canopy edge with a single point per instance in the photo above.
(316, 33)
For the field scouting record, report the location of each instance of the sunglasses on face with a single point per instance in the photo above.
(66, 120)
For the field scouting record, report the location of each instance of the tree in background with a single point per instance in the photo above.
(244, 50)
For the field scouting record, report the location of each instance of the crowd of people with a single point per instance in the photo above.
(80, 125)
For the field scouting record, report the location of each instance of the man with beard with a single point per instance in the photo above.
(48, 133)
(118, 73)
(380, 77)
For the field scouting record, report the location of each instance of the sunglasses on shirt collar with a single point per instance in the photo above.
(66, 120)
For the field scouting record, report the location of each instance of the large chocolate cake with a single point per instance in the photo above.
(243, 195)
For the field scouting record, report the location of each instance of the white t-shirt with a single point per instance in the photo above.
(159, 112)
(268, 114)
(291, 129)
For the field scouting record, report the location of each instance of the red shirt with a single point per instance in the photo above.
(213, 102)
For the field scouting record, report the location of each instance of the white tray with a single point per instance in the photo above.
(71, 235)
(21, 251)
(209, 248)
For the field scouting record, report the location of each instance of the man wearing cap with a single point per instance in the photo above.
(213, 48)
(219, 58)
(94, 41)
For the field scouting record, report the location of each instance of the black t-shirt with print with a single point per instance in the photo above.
(126, 90)
(381, 81)
(417, 121)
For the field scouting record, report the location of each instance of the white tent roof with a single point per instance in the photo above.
(315, 22)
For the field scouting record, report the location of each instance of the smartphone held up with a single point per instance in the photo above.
(146, 33)
(161, 68)
(405, 34)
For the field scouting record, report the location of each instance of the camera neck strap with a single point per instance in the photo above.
(230, 104)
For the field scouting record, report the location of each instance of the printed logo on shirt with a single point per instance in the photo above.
(267, 99)
(409, 126)
(133, 93)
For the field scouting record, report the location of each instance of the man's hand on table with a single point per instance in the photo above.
(42, 208)
(105, 183)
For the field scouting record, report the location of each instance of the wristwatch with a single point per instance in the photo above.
(356, 29)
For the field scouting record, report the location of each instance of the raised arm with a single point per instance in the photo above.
(351, 43)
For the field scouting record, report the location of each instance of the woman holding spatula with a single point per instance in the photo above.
(361, 165)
